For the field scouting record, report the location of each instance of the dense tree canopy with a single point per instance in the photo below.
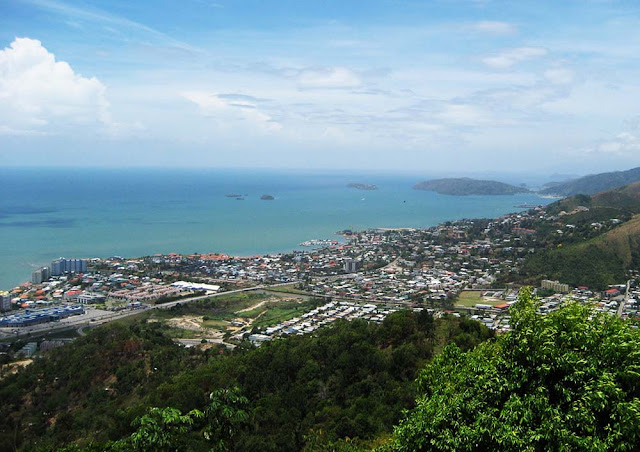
(565, 381)
(126, 387)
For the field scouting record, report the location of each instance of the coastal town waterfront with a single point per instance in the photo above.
(456, 268)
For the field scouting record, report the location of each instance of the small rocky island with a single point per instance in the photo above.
(362, 186)
(233, 195)
(267, 198)
(465, 186)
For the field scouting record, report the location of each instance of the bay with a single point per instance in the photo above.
(83, 213)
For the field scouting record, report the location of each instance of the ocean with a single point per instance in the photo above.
(84, 213)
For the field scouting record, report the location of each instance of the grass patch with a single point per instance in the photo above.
(469, 298)
(277, 313)
(254, 312)
(181, 333)
(222, 307)
(215, 324)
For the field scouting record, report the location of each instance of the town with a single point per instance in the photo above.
(457, 268)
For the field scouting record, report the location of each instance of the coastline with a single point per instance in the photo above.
(149, 212)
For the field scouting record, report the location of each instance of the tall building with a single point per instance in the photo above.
(40, 275)
(5, 301)
(351, 265)
(61, 266)
(57, 267)
(555, 286)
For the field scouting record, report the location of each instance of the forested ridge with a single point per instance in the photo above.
(601, 246)
(594, 183)
(351, 380)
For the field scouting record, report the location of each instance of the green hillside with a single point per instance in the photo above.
(349, 380)
(594, 183)
(465, 186)
(598, 251)
(624, 199)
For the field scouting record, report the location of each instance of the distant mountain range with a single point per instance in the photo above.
(465, 186)
(593, 183)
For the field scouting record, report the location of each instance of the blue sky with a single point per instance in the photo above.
(457, 86)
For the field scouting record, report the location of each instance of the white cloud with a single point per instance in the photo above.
(559, 76)
(229, 108)
(39, 94)
(510, 57)
(623, 144)
(464, 115)
(494, 27)
(336, 77)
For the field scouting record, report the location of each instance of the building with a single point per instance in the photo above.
(610, 293)
(555, 286)
(351, 265)
(71, 295)
(40, 275)
(57, 267)
(32, 317)
(62, 266)
(5, 301)
(91, 298)
(28, 350)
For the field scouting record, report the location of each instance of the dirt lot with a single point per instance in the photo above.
(12, 368)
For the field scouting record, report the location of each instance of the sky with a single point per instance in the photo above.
(452, 86)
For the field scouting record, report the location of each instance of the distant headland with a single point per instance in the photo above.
(465, 186)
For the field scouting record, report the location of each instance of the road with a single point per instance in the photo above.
(624, 302)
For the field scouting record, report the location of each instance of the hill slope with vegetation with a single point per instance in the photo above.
(594, 183)
(349, 380)
(601, 246)
(564, 381)
(465, 186)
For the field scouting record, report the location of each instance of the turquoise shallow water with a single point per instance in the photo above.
(48, 213)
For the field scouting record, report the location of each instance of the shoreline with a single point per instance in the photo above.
(341, 238)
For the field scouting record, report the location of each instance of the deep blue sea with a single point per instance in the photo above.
(83, 213)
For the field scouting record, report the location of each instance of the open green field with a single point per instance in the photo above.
(216, 308)
(280, 312)
(470, 298)
(181, 333)
(260, 309)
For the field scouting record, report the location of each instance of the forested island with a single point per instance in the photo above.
(465, 186)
